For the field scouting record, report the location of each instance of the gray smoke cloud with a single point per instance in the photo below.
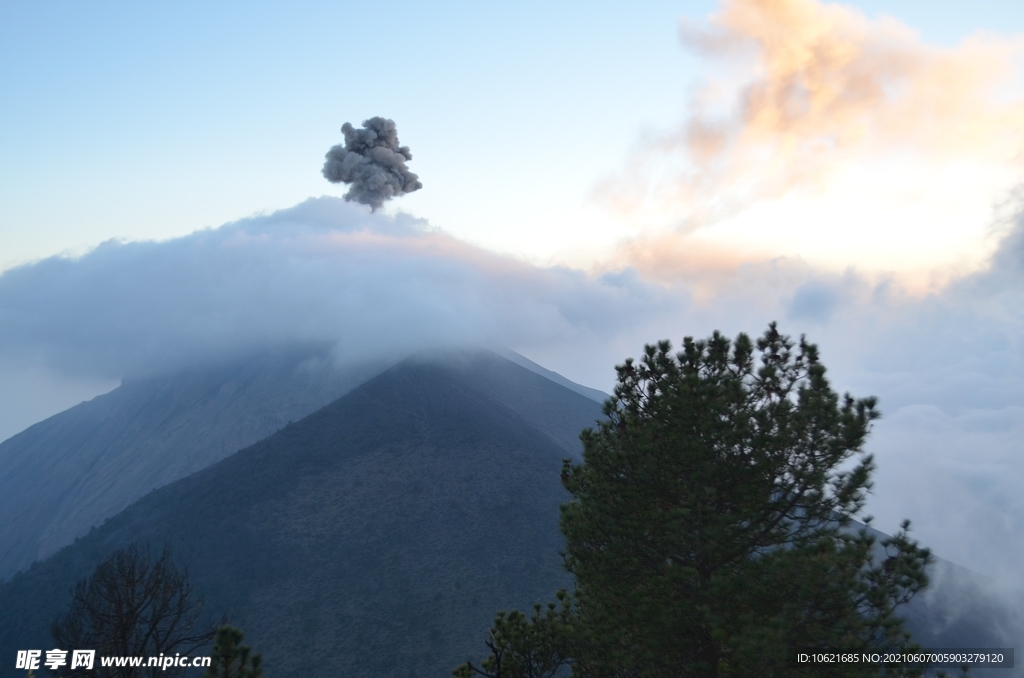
(372, 162)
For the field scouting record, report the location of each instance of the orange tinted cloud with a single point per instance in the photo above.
(705, 268)
(807, 89)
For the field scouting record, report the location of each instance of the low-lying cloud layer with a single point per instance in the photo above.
(947, 367)
(322, 272)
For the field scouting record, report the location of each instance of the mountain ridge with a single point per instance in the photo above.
(376, 536)
(69, 472)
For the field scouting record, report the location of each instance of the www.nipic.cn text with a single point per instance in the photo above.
(85, 659)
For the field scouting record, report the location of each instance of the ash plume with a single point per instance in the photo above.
(372, 162)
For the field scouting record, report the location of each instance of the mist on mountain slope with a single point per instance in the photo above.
(946, 366)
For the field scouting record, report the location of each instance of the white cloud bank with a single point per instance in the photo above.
(321, 272)
(817, 130)
(947, 367)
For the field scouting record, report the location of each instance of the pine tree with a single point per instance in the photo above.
(711, 530)
(231, 659)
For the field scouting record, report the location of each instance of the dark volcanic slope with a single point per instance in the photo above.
(376, 537)
(74, 470)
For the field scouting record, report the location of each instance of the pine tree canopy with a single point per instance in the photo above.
(231, 659)
(711, 527)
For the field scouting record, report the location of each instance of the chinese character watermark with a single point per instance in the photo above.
(28, 659)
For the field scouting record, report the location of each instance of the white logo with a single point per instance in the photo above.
(28, 659)
(82, 658)
(55, 658)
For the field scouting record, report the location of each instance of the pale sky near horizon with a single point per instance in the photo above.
(148, 122)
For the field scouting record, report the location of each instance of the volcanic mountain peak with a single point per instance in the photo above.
(376, 536)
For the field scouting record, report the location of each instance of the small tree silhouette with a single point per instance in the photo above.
(132, 605)
(231, 659)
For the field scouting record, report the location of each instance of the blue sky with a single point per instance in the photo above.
(122, 120)
(129, 121)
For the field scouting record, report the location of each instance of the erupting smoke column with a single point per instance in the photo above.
(372, 162)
